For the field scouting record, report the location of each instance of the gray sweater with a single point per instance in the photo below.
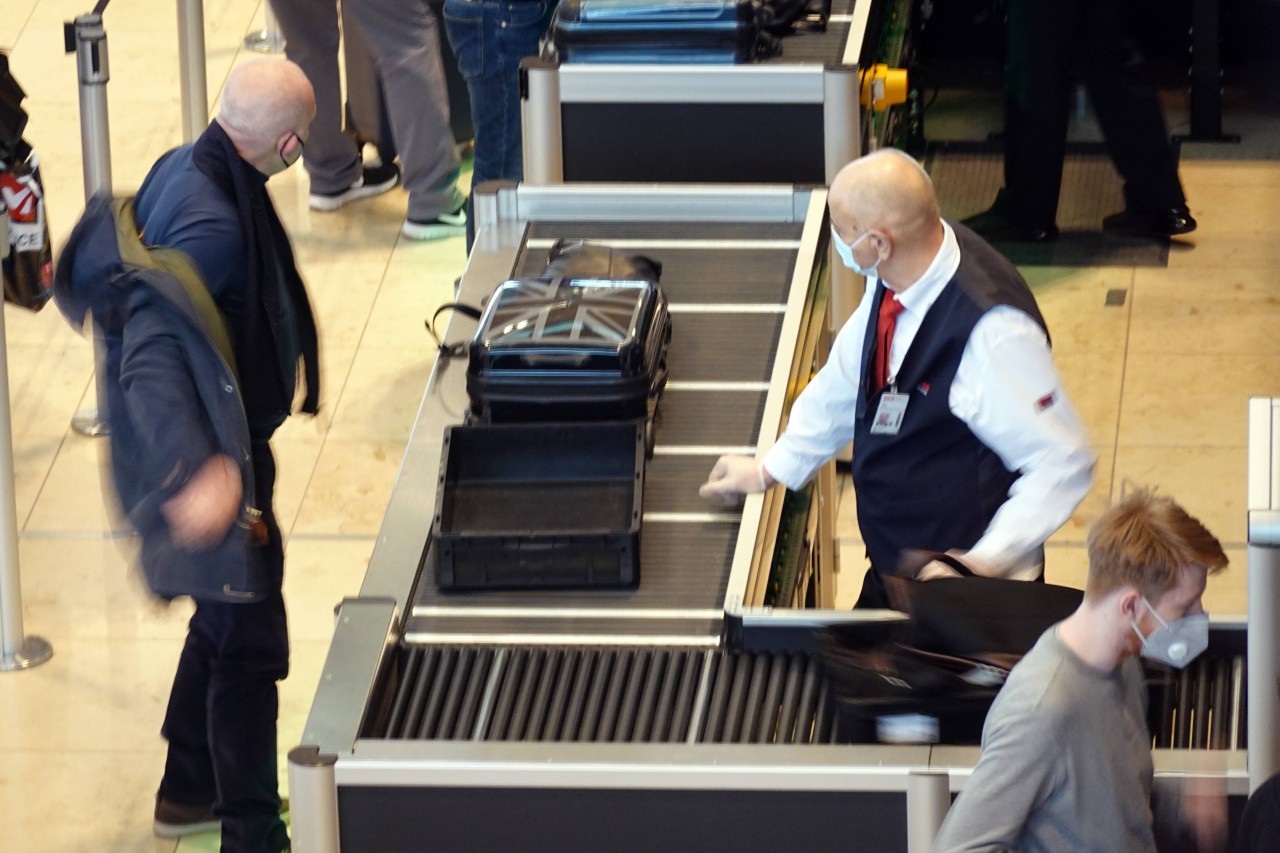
(1066, 762)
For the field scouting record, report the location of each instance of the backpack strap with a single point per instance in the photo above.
(135, 253)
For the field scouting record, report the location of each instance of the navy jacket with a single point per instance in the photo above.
(171, 396)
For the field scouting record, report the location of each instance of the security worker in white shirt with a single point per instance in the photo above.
(965, 442)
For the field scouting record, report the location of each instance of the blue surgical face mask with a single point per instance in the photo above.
(1175, 643)
(845, 251)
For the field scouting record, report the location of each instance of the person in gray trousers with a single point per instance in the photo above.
(405, 40)
(332, 154)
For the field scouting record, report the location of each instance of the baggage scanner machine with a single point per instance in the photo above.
(677, 716)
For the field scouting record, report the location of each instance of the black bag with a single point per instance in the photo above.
(585, 341)
(947, 661)
(28, 266)
(657, 31)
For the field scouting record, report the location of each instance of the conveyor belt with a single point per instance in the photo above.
(1202, 706)
(820, 47)
(727, 285)
(639, 694)
(603, 694)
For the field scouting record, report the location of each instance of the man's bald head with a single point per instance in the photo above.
(263, 102)
(886, 189)
(886, 200)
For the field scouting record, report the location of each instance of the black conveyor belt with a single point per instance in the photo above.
(727, 285)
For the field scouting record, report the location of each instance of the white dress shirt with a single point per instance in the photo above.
(1006, 390)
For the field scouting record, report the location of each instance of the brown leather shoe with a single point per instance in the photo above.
(174, 820)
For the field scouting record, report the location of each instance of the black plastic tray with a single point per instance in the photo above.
(535, 506)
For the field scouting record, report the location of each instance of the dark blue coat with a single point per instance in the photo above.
(172, 400)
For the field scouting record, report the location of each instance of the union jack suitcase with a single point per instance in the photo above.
(570, 349)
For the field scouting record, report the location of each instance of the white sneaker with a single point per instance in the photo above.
(444, 225)
(373, 180)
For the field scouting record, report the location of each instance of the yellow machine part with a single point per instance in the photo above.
(888, 86)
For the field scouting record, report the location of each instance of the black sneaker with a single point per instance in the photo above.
(174, 820)
(373, 180)
(444, 225)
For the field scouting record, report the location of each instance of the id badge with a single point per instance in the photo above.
(889, 414)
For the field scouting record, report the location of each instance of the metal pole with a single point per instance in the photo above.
(195, 99)
(313, 800)
(267, 39)
(17, 651)
(1264, 665)
(928, 799)
(1263, 658)
(95, 133)
(95, 146)
(540, 117)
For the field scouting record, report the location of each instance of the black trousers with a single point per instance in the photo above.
(221, 718)
(1051, 45)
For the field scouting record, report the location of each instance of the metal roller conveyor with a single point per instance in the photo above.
(680, 711)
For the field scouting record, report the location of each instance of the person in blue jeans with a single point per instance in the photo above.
(489, 38)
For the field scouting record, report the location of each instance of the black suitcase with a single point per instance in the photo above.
(570, 345)
(656, 31)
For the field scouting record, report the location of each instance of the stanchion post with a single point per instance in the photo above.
(90, 45)
(17, 650)
(267, 39)
(928, 799)
(313, 800)
(1263, 662)
(195, 98)
(1263, 657)
(95, 127)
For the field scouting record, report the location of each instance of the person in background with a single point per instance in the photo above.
(206, 326)
(333, 157)
(405, 40)
(1066, 753)
(1049, 46)
(490, 38)
(964, 439)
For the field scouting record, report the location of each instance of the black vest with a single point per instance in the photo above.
(934, 485)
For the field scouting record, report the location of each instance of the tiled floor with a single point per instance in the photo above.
(1161, 382)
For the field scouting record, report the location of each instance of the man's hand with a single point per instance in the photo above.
(935, 569)
(1204, 811)
(201, 513)
(735, 476)
(924, 565)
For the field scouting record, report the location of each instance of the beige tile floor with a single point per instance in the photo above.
(1161, 383)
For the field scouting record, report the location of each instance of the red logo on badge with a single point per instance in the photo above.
(1046, 401)
(18, 198)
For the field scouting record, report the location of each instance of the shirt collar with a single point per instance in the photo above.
(920, 296)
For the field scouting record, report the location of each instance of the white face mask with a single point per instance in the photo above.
(1175, 643)
(845, 251)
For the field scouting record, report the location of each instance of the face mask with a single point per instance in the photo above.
(1175, 643)
(845, 251)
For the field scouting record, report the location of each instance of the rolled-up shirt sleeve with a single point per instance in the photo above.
(822, 418)
(1007, 390)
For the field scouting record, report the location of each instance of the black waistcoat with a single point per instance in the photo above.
(934, 485)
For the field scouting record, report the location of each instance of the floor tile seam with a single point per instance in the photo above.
(44, 481)
(1124, 373)
(324, 441)
(337, 404)
(1129, 445)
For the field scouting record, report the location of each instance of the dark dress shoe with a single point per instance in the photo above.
(1162, 223)
(995, 227)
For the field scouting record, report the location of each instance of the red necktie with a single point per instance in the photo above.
(887, 319)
